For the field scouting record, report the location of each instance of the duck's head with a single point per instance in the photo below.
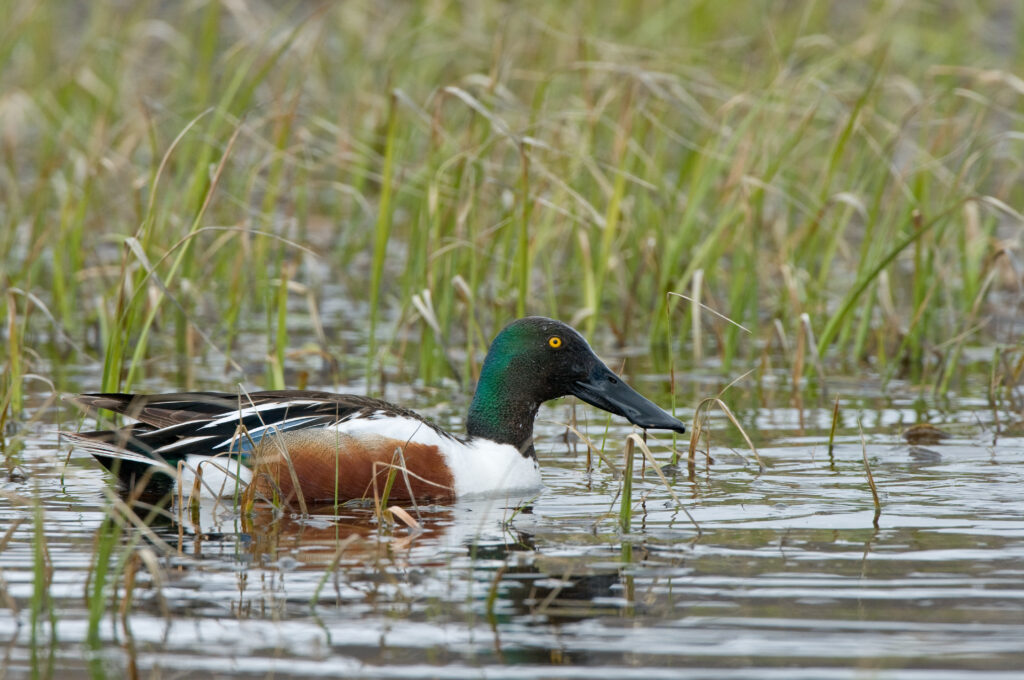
(535, 359)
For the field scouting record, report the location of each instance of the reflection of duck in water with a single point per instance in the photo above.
(349, 542)
(350, 536)
(552, 589)
(349, 533)
(301, 446)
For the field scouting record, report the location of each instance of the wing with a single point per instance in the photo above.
(210, 423)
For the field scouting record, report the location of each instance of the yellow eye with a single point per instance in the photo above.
(554, 342)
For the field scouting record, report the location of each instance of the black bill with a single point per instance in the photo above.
(607, 391)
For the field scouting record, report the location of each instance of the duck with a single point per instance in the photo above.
(310, 446)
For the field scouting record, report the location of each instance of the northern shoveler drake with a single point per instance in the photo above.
(331, 447)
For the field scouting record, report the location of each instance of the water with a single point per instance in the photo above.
(787, 579)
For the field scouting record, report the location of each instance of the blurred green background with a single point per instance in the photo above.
(236, 190)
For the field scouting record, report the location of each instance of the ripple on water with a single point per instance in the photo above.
(788, 579)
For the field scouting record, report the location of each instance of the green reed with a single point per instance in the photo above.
(107, 539)
(626, 500)
(40, 605)
(382, 233)
(155, 190)
(13, 393)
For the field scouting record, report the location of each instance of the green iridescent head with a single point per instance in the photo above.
(535, 359)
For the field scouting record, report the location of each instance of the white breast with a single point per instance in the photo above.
(483, 468)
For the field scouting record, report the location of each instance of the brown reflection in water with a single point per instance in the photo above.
(348, 537)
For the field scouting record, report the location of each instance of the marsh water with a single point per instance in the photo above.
(787, 578)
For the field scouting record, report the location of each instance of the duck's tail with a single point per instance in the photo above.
(133, 467)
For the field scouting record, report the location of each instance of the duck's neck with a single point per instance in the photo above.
(501, 412)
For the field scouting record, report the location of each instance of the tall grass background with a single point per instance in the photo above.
(228, 188)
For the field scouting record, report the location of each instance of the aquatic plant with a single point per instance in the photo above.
(175, 175)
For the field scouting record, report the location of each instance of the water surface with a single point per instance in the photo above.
(788, 577)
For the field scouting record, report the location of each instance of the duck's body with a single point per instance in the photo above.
(335, 443)
(329, 447)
